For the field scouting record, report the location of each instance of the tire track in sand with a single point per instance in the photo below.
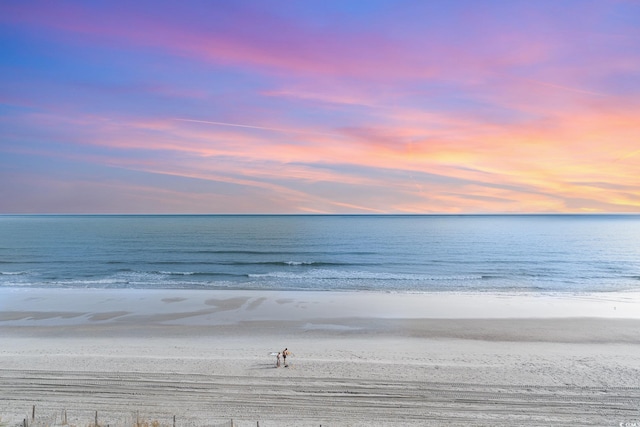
(310, 401)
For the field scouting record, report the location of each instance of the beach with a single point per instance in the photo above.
(359, 359)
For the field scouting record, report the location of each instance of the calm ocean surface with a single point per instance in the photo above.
(523, 253)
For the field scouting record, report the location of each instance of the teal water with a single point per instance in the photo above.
(529, 253)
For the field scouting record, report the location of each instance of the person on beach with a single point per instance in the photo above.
(278, 360)
(284, 356)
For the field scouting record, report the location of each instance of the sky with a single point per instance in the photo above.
(320, 106)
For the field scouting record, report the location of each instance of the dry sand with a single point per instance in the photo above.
(359, 359)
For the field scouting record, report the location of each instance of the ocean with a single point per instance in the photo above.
(379, 253)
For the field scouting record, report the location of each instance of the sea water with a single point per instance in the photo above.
(385, 253)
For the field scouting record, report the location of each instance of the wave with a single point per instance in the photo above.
(196, 273)
(361, 275)
(288, 263)
(290, 275)
(25, 262)
(127, 273)
(273, 253)
(176, 273)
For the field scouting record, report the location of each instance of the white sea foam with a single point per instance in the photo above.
(321, 274)
(177, 273)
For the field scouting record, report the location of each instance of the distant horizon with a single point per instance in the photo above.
(336, 214)
(320, 107)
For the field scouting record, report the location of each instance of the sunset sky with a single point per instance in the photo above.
(320, 106)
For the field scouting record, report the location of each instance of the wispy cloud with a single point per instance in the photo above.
(269, 107)
(298, 131)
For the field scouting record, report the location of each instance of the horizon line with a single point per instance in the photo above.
(334, 214)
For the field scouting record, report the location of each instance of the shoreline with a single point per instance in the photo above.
(64, 306)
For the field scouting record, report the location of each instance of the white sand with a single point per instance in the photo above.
(360, 359)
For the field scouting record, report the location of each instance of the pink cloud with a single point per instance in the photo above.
(258, 39)
(518, 120)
